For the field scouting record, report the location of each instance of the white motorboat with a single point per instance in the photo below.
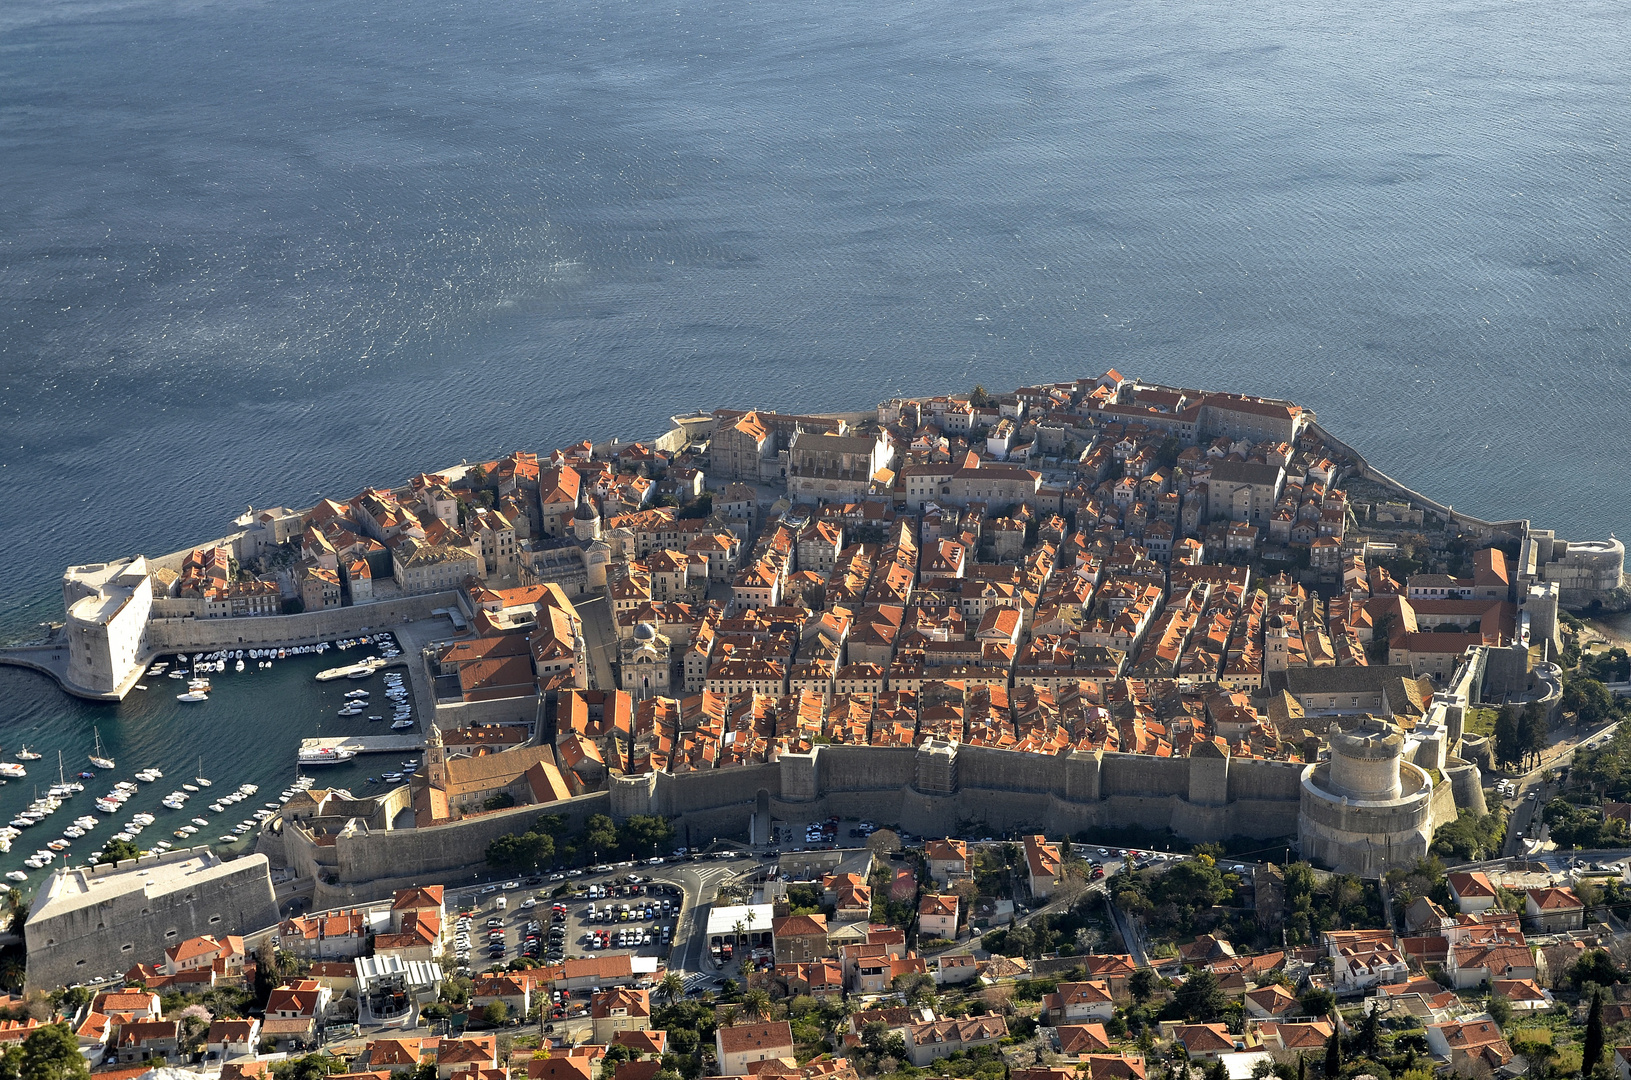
(193, 695)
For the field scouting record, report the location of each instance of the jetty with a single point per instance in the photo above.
(367, 744)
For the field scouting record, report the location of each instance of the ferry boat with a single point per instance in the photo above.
(98, 759)
(324, 755)
(12, 771)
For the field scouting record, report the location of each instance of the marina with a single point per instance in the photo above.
(159, 767)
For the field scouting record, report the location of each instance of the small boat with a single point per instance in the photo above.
(25, 754)
(392, 777)
(100, 760)
(240, 665)
(193, 695)
(16, 875)
(227, 839)
(200, 821)
(402, 725)
(58, 845)
(12, 771)
(216, 808)
(139, 686)
(193, 788)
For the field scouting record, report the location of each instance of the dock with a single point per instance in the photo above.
(408, 743)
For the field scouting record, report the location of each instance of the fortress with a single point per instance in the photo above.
(1373, 804)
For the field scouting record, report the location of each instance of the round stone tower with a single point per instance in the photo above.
(1366, 809)
(1365, 764)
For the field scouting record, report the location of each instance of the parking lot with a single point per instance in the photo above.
(631, 914)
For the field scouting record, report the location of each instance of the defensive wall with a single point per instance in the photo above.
(1516, 527)
(358, 864)
(1205, 797)
(308, 627)
(1200, 798)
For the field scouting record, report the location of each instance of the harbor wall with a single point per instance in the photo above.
(308, 627)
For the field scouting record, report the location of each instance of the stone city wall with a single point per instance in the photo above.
(207, 635)
(1516, 527)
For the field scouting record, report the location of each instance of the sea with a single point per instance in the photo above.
(252, 253)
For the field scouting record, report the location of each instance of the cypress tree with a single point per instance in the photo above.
(1592, 1052)
(1333, 1054)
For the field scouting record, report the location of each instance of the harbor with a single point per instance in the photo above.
(207, 730)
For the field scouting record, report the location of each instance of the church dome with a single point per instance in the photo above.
(585, 512)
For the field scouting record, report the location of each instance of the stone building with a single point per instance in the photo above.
(107, 606)
(645, 662)
(97, 921)
(834, 468)
(1367, 809)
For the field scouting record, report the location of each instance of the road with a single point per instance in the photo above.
(1524, 820)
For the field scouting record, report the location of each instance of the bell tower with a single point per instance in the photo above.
(435, 758)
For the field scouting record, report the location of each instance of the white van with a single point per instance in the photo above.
(501, 903)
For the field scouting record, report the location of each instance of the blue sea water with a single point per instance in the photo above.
(253, 252)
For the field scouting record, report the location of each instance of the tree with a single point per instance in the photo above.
(1532, 731)
(756, 1004)
(1508, 743)
(1200, 997)
(1500, 1010)
(496, 1013)
(1588, 699)
(1333, 1054)
(1317, 1001)
(310, 1067)
(1143, 985)
(116, 851)
(1369, 1040)
(671, 988)
(1592, 1049)
(1595, 967)
(52, 1053)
